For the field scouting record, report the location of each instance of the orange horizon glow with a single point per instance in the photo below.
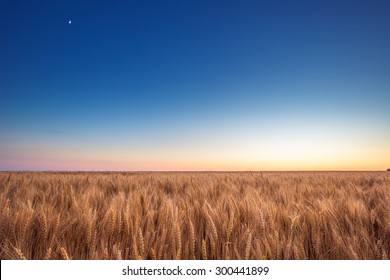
(303, 147)
(198, 165)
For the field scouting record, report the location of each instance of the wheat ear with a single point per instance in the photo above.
(192, 241)
(204, 250)
(248, 246)
(64, 254)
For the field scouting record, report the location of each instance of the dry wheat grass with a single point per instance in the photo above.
(271, 215)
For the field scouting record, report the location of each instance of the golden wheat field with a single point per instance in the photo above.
(269, 215)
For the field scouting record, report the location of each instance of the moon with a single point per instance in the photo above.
(70, 22)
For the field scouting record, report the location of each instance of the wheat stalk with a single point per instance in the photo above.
(204, 250)
(20, 254)
(192, 241)
(44, 227)
(261, 221)
(141, 243)
(48, 254)
(248, 246)
(153, 254)
(64, 254)
(230, 226)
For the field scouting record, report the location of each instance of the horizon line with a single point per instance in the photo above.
(196, 171)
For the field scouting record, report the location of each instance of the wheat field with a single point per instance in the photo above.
(260, 215)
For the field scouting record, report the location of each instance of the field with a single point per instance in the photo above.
(268, 215)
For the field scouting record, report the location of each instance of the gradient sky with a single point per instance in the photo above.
(194, 85)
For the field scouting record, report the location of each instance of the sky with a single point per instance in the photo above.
(194, 85)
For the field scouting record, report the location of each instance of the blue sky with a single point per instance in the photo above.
(194, 85)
